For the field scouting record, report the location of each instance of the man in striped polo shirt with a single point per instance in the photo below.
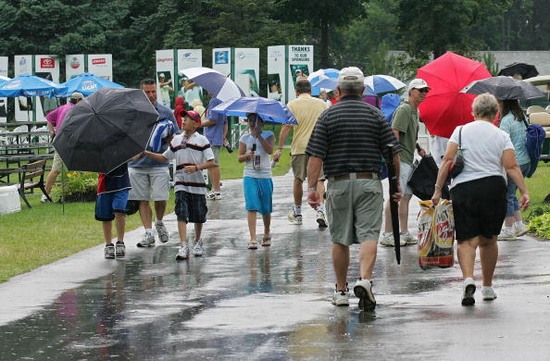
(348, 142)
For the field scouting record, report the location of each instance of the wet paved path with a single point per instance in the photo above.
(270, 304)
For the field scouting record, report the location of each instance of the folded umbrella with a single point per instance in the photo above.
(217, 84)
(105, 130)
(504, 87)
(394, 207)
(270, 110)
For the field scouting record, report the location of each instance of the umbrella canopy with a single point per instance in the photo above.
(380, 84)
(87, 83)
(524, 70)
(3, 79)
(504, 87)
(324, 78)
(105, 130)
(214, 82)
(270, 110)
(446, 107)
(26, 85)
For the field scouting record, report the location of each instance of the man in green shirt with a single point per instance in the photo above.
(405, 128)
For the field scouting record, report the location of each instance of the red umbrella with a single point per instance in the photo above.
(446, 107)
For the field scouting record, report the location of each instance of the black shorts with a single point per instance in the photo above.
(190, 207)
(479, 207)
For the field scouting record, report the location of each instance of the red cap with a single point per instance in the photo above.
(191, 114)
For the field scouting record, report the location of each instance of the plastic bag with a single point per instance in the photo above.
(436, 233)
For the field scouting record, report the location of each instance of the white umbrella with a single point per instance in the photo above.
(217, 84)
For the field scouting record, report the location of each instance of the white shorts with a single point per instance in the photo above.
(149, 184)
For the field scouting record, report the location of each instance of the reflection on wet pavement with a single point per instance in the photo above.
(274, 303)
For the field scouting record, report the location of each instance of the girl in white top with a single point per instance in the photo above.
(255, 149)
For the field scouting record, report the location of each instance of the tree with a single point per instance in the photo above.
(323, 16)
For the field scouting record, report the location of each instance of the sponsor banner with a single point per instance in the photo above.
(74, 65)
(247, 70)
(187, 58)
(164, 76)
(277, 73)
(100, 65)
(22, 64)
(3, 101)
(300, 63)
(47, 67)
(222, 61)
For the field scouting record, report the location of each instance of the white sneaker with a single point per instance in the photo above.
(387, 240)
(214, 196)
(183, 253)
(198, 251)
(520, 229)
(468, 293)
(44, 199)
(294, 218)
(407, 238)
(340, 298)
(363, 291)
(161, 231)
(147, 240)
(488, 293)
(507, 234)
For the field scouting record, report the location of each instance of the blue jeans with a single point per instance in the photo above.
(512, 204)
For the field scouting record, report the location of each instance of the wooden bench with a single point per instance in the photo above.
(32, 176)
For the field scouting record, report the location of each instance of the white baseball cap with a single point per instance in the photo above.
(351, 74)
(417, 84)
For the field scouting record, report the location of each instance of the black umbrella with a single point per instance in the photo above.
(393, 205)
(504, 87)
(525, 70)
(105, 130)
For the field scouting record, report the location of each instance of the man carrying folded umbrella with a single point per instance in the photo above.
(348, 142)
(150, 178)
(405, 122)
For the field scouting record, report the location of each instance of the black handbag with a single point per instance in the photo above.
(423, 179)
(458, 165)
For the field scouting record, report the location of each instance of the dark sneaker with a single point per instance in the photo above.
(321, 219)
(468, 294)
(120, 250)
(162, 232)
(109, 251)
(183, 253)
(147, 240)
(363, 291)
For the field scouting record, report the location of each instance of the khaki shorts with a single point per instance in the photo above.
(149, 184)
(405, 173)
(57, 163)
(216, 151)
(299, 167)
(354, 210)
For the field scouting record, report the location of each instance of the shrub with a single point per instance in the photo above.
(76, 187)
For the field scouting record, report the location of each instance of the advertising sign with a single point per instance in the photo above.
(247, 70)
(23, 105)
(74, 65)
(3, 101)
(222, 61)
(300, 64)
(164, 76)
(101, 65)
(47, 67)
(277, 73)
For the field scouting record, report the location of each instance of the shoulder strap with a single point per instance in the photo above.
(460, 138)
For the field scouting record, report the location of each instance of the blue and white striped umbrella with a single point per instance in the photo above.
(380, 84)
(270, 110)
(324, 78)
(214, 82)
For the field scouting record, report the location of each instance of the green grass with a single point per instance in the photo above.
(45, 233)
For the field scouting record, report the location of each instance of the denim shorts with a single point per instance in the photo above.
(107, 204)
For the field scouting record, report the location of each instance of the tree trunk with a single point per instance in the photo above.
(324, 44)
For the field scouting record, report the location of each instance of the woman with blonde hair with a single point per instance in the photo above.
(478, 193)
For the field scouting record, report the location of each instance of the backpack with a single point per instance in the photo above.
(534, 137)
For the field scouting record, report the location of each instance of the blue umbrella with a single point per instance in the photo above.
(26, 85)
(214, 82)
(270, 110)
(87, 83)
(324, 78)
(380, 84)
(3, 79)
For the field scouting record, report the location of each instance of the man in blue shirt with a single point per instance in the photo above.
(150, 178)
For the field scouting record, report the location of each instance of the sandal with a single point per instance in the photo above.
(252, 245)
(266, 242)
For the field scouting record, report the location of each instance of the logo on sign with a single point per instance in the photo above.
(99, 61)
(74, 63)
(47, 63)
